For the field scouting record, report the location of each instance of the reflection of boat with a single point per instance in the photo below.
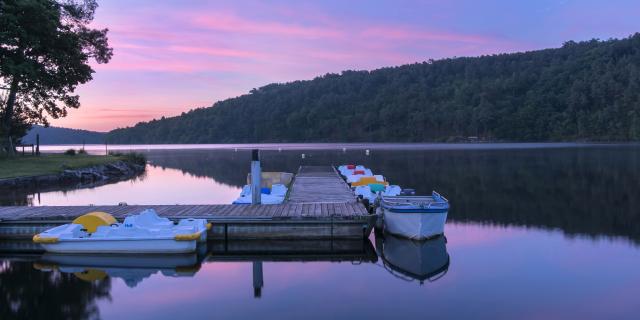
(415, 217)
(132, 269)
(411, 259)
(99, 232)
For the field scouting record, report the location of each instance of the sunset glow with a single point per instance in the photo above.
(173, 56)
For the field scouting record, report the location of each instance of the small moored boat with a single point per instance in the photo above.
(273, 188)
(372, 192)
(99, 232)
(415, 217)
(366, 180)
(273, 195)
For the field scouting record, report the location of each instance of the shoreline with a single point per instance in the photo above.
(99, 149)
(115, 171)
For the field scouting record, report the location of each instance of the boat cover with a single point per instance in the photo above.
(347, 170)
(367, 193)
(360, 180)
(276, 195)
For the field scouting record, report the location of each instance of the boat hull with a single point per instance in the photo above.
(414, 224)
(121, 246)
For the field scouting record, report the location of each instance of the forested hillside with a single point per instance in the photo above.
(55, 135)
(581, 91)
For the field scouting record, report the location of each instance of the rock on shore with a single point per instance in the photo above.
(113, 171)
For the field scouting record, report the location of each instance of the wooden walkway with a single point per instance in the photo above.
(221, 212)
(319, 205)
(320, 184)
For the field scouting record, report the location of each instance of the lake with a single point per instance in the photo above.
(535, 231)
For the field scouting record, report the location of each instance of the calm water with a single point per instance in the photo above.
(535, 231)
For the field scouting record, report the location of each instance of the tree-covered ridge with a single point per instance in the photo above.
(581, 91)
(57, 135)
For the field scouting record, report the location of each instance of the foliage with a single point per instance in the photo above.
(581, 91)
(45, 49)
(82, 151)
(70, 152)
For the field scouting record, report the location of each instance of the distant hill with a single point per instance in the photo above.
(55, 135)
(582, 91)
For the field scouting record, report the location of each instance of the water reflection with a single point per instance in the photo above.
(590, 190)
(497, 272)
(135, 269)
(32, 195)
(26, 293)
(132, 269)
(406, 259)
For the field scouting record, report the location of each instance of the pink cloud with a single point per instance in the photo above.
(231, 23)
(400, 33)
(215, 51)
(143, 59)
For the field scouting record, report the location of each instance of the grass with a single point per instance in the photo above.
(24, 166)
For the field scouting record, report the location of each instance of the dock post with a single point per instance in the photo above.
(258, 282)
(256, 175)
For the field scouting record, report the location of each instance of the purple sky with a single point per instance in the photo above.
(172, 56)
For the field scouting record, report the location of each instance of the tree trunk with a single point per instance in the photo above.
(7, 143)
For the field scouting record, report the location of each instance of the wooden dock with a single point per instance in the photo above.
(320, 205)
(320, 184)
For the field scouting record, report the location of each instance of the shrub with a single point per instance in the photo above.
(82, 151)
(70, 152)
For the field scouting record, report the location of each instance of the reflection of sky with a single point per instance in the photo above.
(159, 186)
(495, 272)
(174, 55)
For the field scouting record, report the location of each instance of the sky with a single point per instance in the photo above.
(171, 56)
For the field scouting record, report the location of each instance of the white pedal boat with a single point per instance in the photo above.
(372, 194)
(415, 217)
(276, 195)
(99, 232)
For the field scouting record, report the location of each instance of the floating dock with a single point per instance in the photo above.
(320, 205)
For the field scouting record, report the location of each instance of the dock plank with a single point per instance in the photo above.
(319, 210)
(317, 184)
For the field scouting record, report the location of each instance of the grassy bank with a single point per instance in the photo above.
(50, 164)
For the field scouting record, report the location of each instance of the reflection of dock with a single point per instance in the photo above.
(320, 206)
(299, 250)
(259, 251)
(134, 269)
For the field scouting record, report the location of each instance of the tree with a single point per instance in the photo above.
(45, 50)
